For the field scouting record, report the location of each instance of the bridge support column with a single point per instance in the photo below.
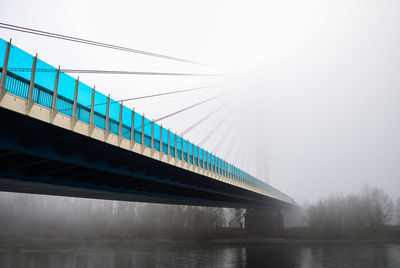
(263, 220)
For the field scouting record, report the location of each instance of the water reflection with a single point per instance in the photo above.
(41, 254)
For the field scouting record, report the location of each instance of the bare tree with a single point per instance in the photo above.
(377, 207)
(398, 211)
(338, 215)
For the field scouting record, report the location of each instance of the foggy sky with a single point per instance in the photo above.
(317, 111)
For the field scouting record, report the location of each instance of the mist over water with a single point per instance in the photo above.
(150, 254)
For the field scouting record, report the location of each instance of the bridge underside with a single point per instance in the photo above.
(37, 157)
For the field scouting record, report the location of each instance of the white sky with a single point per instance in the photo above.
(322, 77)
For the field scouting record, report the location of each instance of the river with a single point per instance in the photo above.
(198, 254)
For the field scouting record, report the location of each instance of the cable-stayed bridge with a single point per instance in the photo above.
(59, 136)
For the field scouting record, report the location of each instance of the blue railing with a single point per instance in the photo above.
(18, 80)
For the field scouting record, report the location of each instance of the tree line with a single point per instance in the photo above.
(355, 214)
(27, 213)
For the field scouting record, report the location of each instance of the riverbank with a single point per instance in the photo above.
(218, 236)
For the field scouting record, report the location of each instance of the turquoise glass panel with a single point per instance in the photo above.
(191, 152)
(185, 145)
(65, 94)
(147, 132)
(138, 128)
(196, 160)
(165, 140)
(84, 102)
(157, 130)
(172, 144)
(126, 122)
(45, 79)
(114, 116)
(100, 110)
(19, 72)
(3, 46)
(201, 157)
(179, 146)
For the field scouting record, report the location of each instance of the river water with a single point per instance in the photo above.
(164, 254)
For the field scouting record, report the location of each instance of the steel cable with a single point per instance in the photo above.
(94, 43)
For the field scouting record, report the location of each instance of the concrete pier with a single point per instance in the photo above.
(264, 220)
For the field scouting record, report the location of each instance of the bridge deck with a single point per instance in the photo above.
(94, 151)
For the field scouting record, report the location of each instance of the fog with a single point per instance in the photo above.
(315, 84)
(26, 215)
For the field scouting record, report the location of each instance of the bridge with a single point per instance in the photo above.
(59, 136)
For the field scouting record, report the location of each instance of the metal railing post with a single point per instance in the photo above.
(188, 152)
(169, 144)
(208, 161)
(32, 82)
(202, 151)
(30, 101)
(143, 131)
(182, 157)
(161, 140)
(75, 104)
(55, 92)
(107, 126)
(194, 158)
(92, 107)
(152, 133)
(198, 156)
(5, 66)
(215, 165)
(133, 125)
(212, 167)
(176, 145)
(120, 118)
